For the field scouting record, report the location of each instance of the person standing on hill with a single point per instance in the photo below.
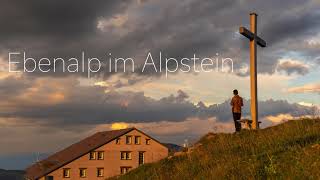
(236, 103)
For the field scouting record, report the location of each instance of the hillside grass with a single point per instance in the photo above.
(287, 151)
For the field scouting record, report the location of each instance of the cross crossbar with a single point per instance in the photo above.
(245, 32)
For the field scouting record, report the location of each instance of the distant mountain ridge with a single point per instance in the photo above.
(173, 147)
(11, 174)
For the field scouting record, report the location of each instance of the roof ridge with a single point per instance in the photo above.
(117, 129)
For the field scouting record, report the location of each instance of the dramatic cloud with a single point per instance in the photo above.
(47, 20)
(43, 107)
(291, 66)
(58, 102)
(131, 28)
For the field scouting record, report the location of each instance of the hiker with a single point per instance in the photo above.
(236, 103)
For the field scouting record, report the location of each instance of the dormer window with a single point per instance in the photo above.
(128, 139)
(148, 141)
(66, 172)
(118, 141)
(137, 140)
(92, 155)
(100, 155)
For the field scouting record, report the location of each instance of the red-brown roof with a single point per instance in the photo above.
(72, 152)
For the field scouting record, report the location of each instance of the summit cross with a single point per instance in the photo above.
(254, 40)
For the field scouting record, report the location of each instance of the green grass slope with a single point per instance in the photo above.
(288, 151)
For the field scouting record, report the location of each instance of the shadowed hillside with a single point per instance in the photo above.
(11, 174)
(291, 149)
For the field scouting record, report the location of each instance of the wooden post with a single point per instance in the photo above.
(253, 72)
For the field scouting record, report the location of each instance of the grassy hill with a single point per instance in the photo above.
(289, 150)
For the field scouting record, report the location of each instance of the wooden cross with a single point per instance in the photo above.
(254, 40)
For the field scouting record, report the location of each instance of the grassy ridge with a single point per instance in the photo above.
(289, 150)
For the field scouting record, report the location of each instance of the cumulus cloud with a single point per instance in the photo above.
(280, 118)
(292, 66)
(170, 127)
(57, 102)
(306, 104)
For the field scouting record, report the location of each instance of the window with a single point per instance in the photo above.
(100, 155)
(49, 178)
(100, 172)
(125, 155)
(66, 172)
(124, 169)
(92, 155)
(141, 157)
(137, 140)
(118, 141)
(128, 139)
(83, 172)
(148, 141)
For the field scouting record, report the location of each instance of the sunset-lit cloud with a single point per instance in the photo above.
(306, 104)
(207, 86)
(293, 66)
(308, 88)
(4, 69)
(279, 118)
(120, 125)
(116, 21)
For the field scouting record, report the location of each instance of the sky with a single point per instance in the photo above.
(41, 113)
